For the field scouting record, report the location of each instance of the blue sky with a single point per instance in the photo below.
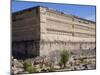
(84, 11)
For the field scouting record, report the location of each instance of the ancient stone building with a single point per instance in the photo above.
(39, 31)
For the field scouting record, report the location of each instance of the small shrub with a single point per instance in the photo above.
(26, 64)
(29, 68)
(64, 58)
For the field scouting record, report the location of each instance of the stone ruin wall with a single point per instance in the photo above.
(26, 33)
(40, 31)
(65, 32)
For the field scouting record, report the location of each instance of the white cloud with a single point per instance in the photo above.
(92, 17)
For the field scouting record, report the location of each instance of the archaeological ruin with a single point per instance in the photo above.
(40, 31)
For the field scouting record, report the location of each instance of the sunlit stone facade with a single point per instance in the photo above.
(42, 31)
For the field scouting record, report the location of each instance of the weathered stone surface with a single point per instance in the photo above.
(17, 66)
(41, 31)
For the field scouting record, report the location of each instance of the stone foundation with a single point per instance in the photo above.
(46, 48)
(25, 49)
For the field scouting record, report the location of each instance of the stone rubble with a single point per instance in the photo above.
(17, 67)
(42, 64)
